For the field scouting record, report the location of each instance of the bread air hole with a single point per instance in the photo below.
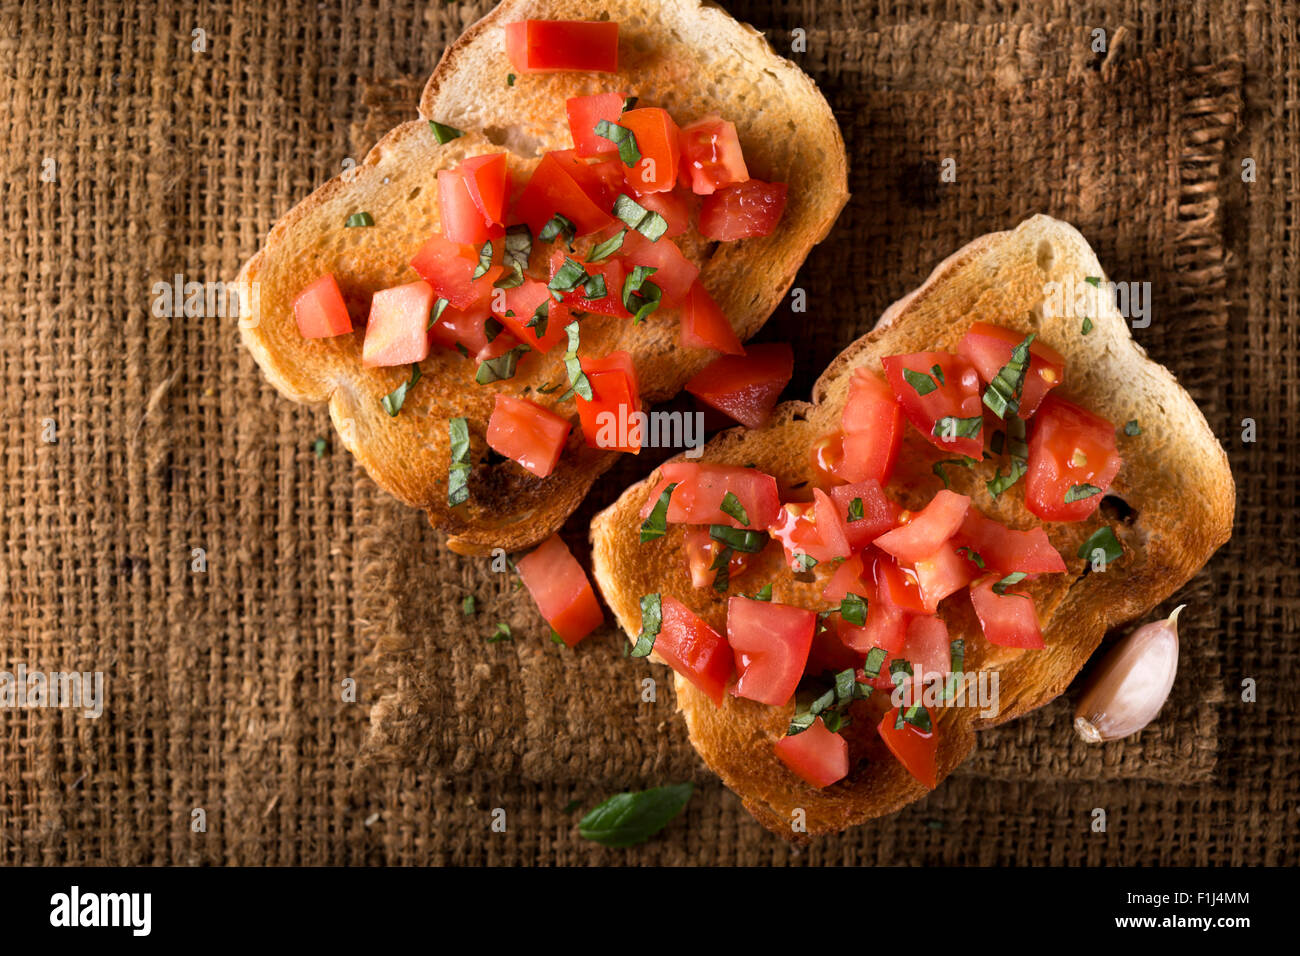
(1035, 316)
(1046, 256)
(1115, 509)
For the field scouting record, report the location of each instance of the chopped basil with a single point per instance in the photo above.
(855, 509)
(467, 606)
(439, 306)
(1094, 281)
(764, 593)
(492, 328)
(640, 296)
(1004, 392)
(957, 653)
(568, 277)
(445, 134)
(938, 374)
(558, 227)
(1086, 327)
(899, 667)
(917, 716)
(875, 658)
(722, 565)
(854, 609)
(832, 705)
(623, 138)
(1000, 587)
(502, 633)
(656, 523)
(395, 399)
(1104, 539)
(921, 383)
(1000, 482)
(458, 470)
(484, 260)
(518, 250)
(359, 219)
(804, 562)
(652, 616)
(629, 103)
(548, 387)
(540, 319)
(958, 427)
(1080, 492)
(627, 819)
(738, 539)
(502, 367)
(635, 216)
(972, 555)
(965, 461)
(731, 505)
(510, 79)
(607, 248)
(320, 446)
(1017, 452)
(578, 382)
(1131, 427)
(464, 352)
(594, 288)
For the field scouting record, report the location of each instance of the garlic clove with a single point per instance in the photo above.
(1131, 684)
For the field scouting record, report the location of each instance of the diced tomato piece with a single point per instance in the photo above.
(927, 648)
(711, 154)
(1069, 448)
(747, 386)
(832, 524)
(693, 649)
(1005, 550)
(897, 586)
(705, 326)
(771, 643)
(915, 749)
(466, 328)
(879, 514)
(1007, 619)
(743, 211)
(886, 627)
(520, 304)
(320, 310)
(697, 499)
(611, 270)
(701, 551)
(561, 590)
(816, 756)
(846, 580)
(674, 274)
(449, 267)
(989, 347)
(461, 220)
(499, 346)
(657, 142)
(488, 180)
(550, 190)
(607, 420)
(547, 46)
(927, 529)
(526, 432)
(872, 423)
(585, 112)
(957, 397)
(673, 206)
(941, 574)
(397, 332)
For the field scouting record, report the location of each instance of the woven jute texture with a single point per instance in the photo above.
(316, 691)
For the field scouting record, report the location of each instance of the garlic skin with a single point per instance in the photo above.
(1132, 683)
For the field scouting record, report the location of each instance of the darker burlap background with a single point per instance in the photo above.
(225, 688)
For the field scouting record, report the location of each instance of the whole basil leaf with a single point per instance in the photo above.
(627, 819)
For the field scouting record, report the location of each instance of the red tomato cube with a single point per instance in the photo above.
(697, 499)
(461, 220)
(817, 756)
(561, 590)
(608, 420)
(1005, 550)
(657, 142)
(516, 308)
(585, 112)
(693, 649)
(547, 46)
(1007, 619)
(743, 211)
(552, 189)
(488, 180)
(711, 155)
(771, 643)
(989, 347)
(320, 311)
(915, 749)
(449, 268)
(674, 274)
(526, 432)
(397, 332)
(927, 529)
(673, 206)
(745, 387)
(872, 422)
(1072, 454)
(879, 514)
(705, 326)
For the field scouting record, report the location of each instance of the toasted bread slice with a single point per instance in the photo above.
(1175, 480)
(691, 58)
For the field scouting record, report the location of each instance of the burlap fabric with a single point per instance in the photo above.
(226, 688)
